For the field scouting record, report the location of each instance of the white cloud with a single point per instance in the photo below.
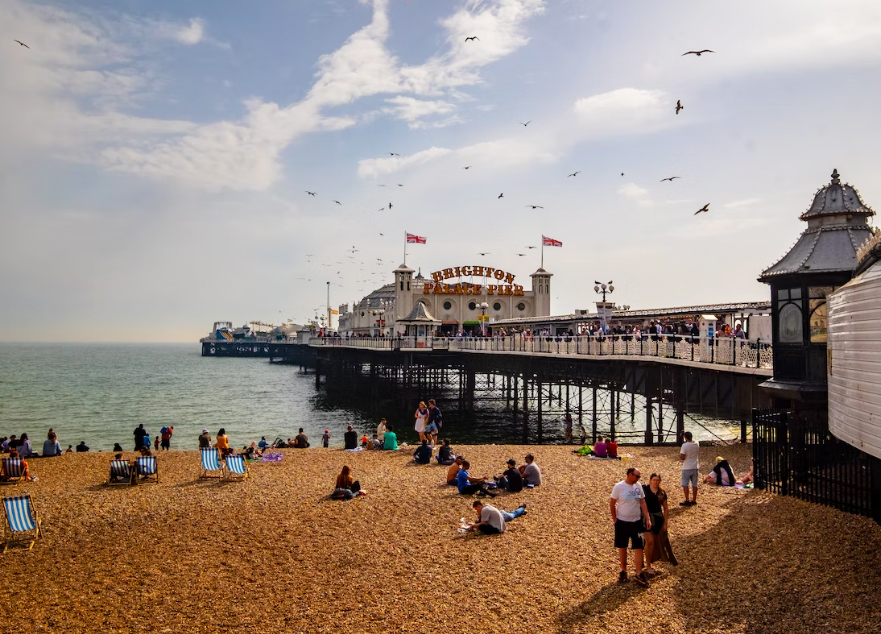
(741, 203)
(379, 167)
(191, 34)
(410, 108)
(437, 124)
(625, 111)
(637, 194)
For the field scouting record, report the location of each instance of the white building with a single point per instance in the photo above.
(452, 295)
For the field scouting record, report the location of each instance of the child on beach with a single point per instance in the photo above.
(325, 439)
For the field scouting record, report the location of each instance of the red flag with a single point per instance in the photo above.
(414, 239)
(550, 242)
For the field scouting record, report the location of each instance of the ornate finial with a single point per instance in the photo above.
(835, 179)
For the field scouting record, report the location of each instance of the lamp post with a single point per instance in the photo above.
(378, 316)
(483, 306)
(603, 289)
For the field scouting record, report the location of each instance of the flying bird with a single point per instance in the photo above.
(400, 184)
(502, 195)
(531, 247)
(383, 209)
(698, 53)
(574, 174)
(679, 106)
(483, 254)
(473, 37)
(394, 154)
(622, 173)
(535, 206)
(382, 234)
(389, 205)
(704, 208)
(22, 43)
(338, 202)
(526, 124)
(380, 185)
(670, 179)
(468, 168)
(310, 193)
(522, 255)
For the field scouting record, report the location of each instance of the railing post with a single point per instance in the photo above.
(758, 353)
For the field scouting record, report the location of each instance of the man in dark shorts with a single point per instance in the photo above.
(628, 508)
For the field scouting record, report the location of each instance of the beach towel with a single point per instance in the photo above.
(271, 457)
(355, 449)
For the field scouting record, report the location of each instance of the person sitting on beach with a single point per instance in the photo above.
(380, 430)
(117, 447)
(147, 440)
(82, 447)
(8, 443)
(222, 443)
(25, 472)
(69, 449)
(422, 455)
(468, 485)
(492, 521)
(24, 447)
(511, 480)
(252, 452)
(145, 450)
(51, 446)
(749, 477)
(204, 440)
(530, 471)
(453, 471)
(390, 442)
(721, 474)
(600, 449)
(346, 487)
(445, 453)
(612, 449)
(350, 438)
(301, 441)
(263, 445)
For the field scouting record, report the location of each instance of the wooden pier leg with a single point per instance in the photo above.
(581, 409)
(539, 419)
(594, 415)
(516, 381)
(649, 428)
(612, 411)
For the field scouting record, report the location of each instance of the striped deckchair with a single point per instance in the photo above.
(211, 465)
(22, 521)
(236, 468)
(13, 470)
(147, 469)
(120, 473)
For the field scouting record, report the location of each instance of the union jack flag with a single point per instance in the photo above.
(414, 239)
(550, 242)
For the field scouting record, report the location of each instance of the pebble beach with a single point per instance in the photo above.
(274, 554)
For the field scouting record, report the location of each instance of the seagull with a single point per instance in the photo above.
(400, 184)
(698, 53)
(382, 234)
(22, 43)
(473, 37)
(531, 247)
(526, 124)
(522, 255)
(679, 106)
(502, 195)
(574, 174)
(622, 173)
(535, 206)
(338, 202)
(393, 154)
(389, 205)
(483, 254)
(310, 193)
(704, 208)
(670, 179)
(383, 209)
(468, 168)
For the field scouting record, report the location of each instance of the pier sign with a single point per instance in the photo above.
(439, 287)
(476, 271)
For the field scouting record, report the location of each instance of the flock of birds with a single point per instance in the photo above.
(381, 265)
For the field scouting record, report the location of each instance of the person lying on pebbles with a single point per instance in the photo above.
(493, 521)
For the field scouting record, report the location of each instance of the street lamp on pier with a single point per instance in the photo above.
(604, 310)
(483, 306)
(378, 315)
(604, 288)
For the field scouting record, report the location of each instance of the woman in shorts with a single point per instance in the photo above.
(421, 416)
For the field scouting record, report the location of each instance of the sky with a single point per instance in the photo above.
(155, 156)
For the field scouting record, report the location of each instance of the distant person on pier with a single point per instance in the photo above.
(350, 438)
(51, 446)
(511, 480)
(422, 455)
(688, 454)
(166, 433)
(445, 453)
(82, 447)
(204, 440)
(454, 469)
(390, 441)
(599, 448)
(301, 441)
(530, 471)
(421, 416)
(139, 436)
(468, 485)
(222, 443)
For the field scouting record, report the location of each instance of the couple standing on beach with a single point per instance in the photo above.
(428, 421)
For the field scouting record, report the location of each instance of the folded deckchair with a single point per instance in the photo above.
(147, 470)
(22, 521)
(120, 473)
(211, 465)
(236, 468)
(13, 470)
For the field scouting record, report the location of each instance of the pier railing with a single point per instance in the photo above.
(729, 351)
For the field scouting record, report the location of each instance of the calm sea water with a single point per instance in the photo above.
(99, 393)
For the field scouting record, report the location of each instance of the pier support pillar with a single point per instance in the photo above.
(649, 428)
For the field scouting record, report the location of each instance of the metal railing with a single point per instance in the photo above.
(728, 351)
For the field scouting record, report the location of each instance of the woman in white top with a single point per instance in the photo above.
(380, 431)
(421, 417)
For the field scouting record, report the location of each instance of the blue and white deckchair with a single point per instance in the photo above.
(13, 470)
(147, 469)
(211, 465)
(236, 468)
(22, 521)
(120, 472)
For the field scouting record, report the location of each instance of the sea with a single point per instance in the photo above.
(99, 393)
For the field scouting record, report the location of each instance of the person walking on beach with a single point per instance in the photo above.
(627, 507)
(688, 454)
(435, 421)
(204, 440)
(421, 418)
(166, 433)
(139, 437)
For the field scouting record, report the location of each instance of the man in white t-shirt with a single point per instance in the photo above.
(627, 506)
(688, 454)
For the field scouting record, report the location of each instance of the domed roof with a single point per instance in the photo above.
(834, 199)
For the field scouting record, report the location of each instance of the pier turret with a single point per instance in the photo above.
(541, 286)
(403, 294)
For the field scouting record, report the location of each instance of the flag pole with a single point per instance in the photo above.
(405, 247)
(542, 252)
